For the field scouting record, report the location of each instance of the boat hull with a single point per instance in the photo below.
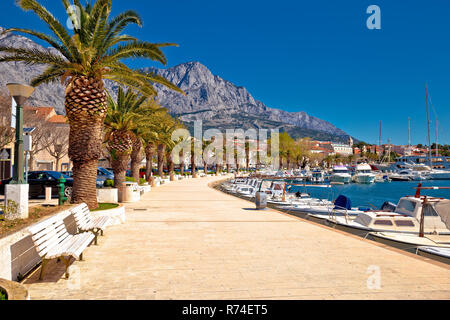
(421, 251)
(363, 179)
(340, 179)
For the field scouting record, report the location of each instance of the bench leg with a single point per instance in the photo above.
(101, 232)
(81, 257)
(66, 261)
(44, 264)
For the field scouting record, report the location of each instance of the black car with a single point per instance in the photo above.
(39, 180)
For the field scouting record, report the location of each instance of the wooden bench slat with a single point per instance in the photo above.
(50, 234)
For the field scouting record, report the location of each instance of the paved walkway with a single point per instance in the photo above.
(188, 241)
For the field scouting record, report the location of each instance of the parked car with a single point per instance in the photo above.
(39, 180)
(102, 175)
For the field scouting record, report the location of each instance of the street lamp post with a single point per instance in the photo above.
(16, 194)
(20, 94)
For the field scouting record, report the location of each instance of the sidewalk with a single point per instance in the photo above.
(185, 240)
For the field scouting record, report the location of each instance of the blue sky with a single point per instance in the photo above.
(314, 56)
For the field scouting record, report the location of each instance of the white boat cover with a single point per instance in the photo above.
(443, 210)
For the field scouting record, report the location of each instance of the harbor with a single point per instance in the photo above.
(412, 216)
(209, 245)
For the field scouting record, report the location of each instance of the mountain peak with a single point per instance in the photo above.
(218, 102)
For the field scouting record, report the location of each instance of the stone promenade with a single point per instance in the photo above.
(186, 240)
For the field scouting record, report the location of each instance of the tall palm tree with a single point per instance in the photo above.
(124, 116)
(92, 52)
(142, 129)
(149, 150)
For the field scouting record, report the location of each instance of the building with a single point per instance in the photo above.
(37, 117)
(47, 116)
(342, 149)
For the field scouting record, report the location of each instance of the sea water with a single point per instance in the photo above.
(376, 194)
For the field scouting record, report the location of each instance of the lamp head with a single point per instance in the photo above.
(20, 92)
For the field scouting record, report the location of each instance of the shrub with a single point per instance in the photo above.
(142, 181)
(109, 183)
(130, 179)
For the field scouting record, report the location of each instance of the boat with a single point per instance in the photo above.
(405, 218)
(437, 162)
(319, 209)
(342, 206)
(317, 176)
(410, 242)
(364, 174)
(410, 175)
(439, 174)
(340, 174)
(435, 246)
(435, 253)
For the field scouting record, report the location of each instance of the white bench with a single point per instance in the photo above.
(85, 221)
(53, 241)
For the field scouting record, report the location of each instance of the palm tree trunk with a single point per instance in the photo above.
(85, 102)
(228, 168)
(161, 151)
(193, 166)
(119, 165)
(170, 167)
(136, 159)
(182, 163)
(149, 152)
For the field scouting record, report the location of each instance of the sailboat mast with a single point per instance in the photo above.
(428, 127)
(437, 148)
(379, 139)
(409, 135)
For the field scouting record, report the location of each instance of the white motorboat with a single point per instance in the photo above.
(405, 218)
(316, 176)
(410, 242)
(340, 175)
(364, 174)
(439, 174)
(435, 253)
(410, 175)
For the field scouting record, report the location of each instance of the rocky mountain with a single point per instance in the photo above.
(218, 102)
(222, 104)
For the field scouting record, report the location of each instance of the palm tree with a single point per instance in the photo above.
(92, 52)
(149, 137)
(141, 130)
(123, 117)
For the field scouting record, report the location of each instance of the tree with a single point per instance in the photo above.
(286, 149)
(6, 132)
(31, 120)
(123, 117)
(92, 52)
(55, 140)
(141, 131)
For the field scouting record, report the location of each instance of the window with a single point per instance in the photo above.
(429, 211)
(383, 222)
(404, 223)
(32, 176)
(406, 205)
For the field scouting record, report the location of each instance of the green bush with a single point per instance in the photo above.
(109, 183)
(130, 179)
(142, 181)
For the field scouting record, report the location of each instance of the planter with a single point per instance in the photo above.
(13, 290)
(117, 214)
(130, 192)
(145, 188)
(108, 195)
